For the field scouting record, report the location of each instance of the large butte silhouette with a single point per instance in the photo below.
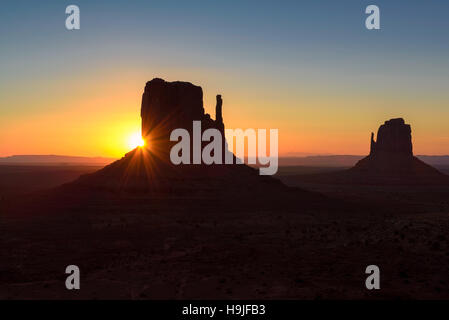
(165, 107)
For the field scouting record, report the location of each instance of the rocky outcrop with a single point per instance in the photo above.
(170, 105)
(391, 158)
(390, 162)
(393, 137)
(167, 106)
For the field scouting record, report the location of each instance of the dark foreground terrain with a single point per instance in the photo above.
(305, 246)
(16, 179)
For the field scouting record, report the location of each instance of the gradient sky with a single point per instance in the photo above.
(307, 68)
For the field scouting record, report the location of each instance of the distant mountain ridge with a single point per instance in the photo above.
(349, 160)
(54, 159)
(312, 161)
(321, 161)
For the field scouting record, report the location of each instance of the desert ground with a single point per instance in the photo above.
(312, 244)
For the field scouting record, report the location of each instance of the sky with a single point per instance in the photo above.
(307, 68)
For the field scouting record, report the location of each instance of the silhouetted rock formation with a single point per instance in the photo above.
(390, 162)
(391, 159)
(393, 137)
(170, 105)
(391, 154)
(167, 106)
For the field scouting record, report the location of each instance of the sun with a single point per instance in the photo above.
(135, 140)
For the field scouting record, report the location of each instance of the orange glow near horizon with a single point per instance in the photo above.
(98, 116)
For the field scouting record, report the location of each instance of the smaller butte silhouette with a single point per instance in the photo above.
(391, 158)
(167, 106)
(390, 162)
